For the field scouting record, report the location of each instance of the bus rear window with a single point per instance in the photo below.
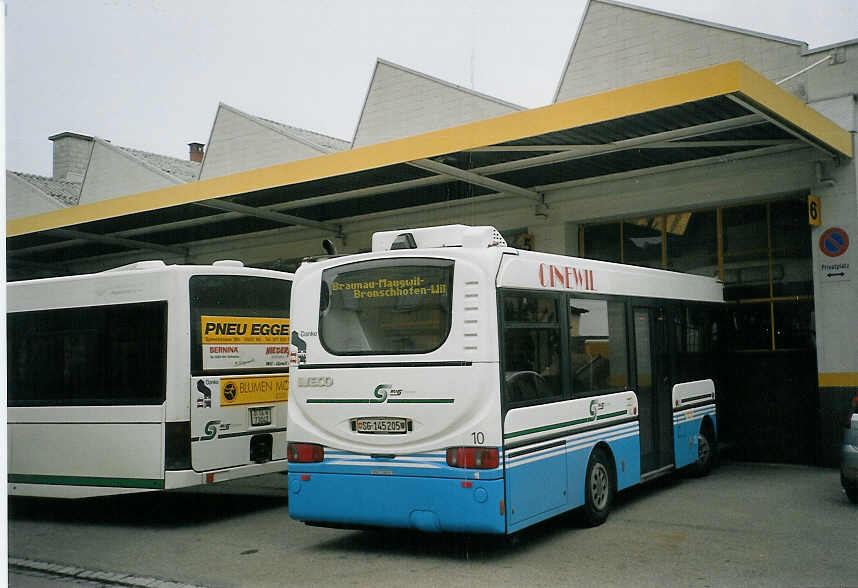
(386, 307)
(239, 323)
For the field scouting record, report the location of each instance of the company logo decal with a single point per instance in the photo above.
(211, 429)
(382, 391)
(299, 354)
(204, 395)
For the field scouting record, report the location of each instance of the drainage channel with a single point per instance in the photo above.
(99, 577)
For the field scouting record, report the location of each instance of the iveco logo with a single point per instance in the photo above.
(316, 382)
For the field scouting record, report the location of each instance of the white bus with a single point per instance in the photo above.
(446, 382)
(146, 377)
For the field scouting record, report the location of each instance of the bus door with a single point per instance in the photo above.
(652, 360)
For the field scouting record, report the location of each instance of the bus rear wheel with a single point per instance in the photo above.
(600, 488)
(705, 452)
(852, 492)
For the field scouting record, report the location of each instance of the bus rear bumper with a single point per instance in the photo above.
(187, 478)
(432, 505)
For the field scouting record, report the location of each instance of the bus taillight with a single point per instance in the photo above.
(305, 452)
(476, 458)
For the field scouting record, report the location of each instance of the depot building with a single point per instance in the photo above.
(671, 143)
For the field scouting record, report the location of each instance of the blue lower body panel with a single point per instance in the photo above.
(547, 479)
(686, 426)
(425, 504)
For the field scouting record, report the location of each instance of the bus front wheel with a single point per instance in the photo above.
(600, 488)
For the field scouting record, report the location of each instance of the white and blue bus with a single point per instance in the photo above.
(146, 377)
(446, 382)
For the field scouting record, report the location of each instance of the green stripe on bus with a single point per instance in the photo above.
(369, 401)
(566, 424)
(611, 415)
(339, 401)
(548, 428)
(693, 398)
(420, 401)
(153, 484)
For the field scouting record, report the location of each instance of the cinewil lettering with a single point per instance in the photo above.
(552, 276)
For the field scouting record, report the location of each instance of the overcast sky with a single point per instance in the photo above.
(149, 74)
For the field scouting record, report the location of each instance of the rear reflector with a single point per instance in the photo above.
(305, 452)
(476, 458)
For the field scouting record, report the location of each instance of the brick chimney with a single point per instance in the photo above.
(71, 155)
(196, 152)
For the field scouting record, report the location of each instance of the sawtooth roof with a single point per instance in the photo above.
(181, 169)
(64, 192)
(324, 143)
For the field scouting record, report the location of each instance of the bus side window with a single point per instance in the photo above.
(532, 347)
(597, 348)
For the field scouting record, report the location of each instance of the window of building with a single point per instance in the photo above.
(602, 242)
(643, 240)
(692, 244)
(762, 253)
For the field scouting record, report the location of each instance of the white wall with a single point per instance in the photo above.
(113, 173)
(832, 80)
(71, 156)
(23, 199)
(619, 46)
(836, 302)
(239, 143)
(841, 110)
(401, 103)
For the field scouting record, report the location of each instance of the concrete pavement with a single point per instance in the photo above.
(744, 525)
